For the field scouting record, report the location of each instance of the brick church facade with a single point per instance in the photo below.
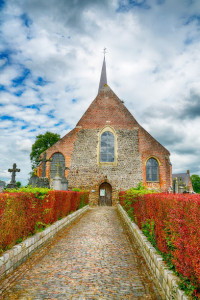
(109, 151)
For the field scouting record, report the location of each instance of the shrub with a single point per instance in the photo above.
(171, 222)
(24, 211)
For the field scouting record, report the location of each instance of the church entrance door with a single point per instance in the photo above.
(105, 194)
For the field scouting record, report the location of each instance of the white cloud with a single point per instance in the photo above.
(24, 145)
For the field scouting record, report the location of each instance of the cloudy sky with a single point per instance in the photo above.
(51, 58)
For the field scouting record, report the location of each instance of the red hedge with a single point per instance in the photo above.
(177, 227)
(21, 212)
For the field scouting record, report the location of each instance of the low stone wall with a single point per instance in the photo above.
(164, 277)
(14, 257)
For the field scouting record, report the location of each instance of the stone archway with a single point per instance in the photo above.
(105, 194)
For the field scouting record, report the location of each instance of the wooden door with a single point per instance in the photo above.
(105, 194)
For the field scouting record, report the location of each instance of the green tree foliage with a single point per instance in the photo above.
(18, 184)
(42, 143)
(196, 183)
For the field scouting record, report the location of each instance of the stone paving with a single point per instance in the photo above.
(93, 259)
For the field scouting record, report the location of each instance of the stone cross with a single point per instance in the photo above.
(44, 160)
(13, 171)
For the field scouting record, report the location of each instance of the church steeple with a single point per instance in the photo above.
(103, 78)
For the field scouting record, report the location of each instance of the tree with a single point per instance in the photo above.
(42, 143)
(19, 184)
(196, 183)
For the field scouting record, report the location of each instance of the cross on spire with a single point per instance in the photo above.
(13, 171)
(103, 78)
(104, 51)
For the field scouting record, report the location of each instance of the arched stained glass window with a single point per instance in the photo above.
(57, 164)
(152, 170)
(107, 150)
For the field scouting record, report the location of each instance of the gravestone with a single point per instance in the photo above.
(33, 181)
(43, 182)
(2, 185)
(12, 184)
(57, 185)
(64, 184)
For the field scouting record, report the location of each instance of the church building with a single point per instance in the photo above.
(108, 151)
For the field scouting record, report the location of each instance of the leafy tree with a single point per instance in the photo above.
(196, 183)
(42, 143)
(18, 184)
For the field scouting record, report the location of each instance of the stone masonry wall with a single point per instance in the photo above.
(85, 172)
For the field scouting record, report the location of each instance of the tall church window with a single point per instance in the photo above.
(152, 170)
(57, 165)
(107, 147)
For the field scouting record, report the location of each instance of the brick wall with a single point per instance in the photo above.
(148, 147)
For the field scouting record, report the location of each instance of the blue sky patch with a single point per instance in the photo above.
(26, 20)
(5, 55)
(34, 106)
(191, 19)
(2, 87)
(18, 93)
(130, 4)
(41, 82)
(20, 80)
(2, 3)
(59, 123)
(6, 117)
(188, 41)
(50, 114)
(74, 100)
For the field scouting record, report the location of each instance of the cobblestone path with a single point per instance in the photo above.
(93, 259)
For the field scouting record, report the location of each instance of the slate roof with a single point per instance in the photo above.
(103, 78)
(184, 177)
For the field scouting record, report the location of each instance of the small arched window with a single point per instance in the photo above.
(107, 147)
(152, 170)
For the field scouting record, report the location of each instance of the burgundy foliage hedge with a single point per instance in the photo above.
(176, 220)
(21, 213)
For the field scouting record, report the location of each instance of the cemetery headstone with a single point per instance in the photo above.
(36, 181)
(64, 184)
(33, 181)
(14, 170)
(2, 185)
(43, 182)
(57, 185)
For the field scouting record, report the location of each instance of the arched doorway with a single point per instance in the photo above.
(105, 194)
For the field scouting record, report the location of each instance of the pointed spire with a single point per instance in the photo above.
(103, 79)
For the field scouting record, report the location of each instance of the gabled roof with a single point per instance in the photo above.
(107, 109)
(184, 177)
